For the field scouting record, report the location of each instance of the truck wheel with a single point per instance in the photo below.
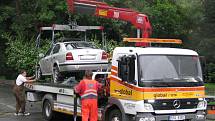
(47, 111)
(115, 115)
(56, 76)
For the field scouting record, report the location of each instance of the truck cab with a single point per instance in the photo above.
(157, 84)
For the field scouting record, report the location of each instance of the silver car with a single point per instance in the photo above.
(71, 57)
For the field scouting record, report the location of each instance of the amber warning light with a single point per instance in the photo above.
(153, 40)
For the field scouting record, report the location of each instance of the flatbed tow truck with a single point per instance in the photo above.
(144, 84)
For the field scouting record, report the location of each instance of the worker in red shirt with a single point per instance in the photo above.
(87, 89)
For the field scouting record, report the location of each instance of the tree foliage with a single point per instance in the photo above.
(192, 21)
(20, 54)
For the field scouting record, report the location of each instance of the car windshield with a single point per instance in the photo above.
(169, 70)
(79, 45)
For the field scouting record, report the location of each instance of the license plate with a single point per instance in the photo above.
(87, 57)
(178, 117)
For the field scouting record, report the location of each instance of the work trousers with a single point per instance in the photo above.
(20, 98)
(89, 110)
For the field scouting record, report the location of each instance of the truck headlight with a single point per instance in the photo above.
(200, 117)
(148, 107)
(202, 105)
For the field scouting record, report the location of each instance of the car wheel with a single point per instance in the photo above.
(115, 115)
(39, 74)
(56, 76)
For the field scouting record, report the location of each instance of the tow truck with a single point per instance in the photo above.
(144, 84)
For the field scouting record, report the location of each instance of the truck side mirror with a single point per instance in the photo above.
(204, 67)
(131, 70)
(126, 68)
(122, 68)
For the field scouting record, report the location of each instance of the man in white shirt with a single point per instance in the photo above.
(19, 93)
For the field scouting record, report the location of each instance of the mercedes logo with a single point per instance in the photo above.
(176, 103)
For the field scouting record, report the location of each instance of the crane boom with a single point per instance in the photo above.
(102, 9)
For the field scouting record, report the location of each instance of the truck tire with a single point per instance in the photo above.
(56, 76)
(115, 115)
(47, 110)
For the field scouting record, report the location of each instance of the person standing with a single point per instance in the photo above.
(87, 89)
(19, 92)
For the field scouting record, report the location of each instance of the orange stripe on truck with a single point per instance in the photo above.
(114, 68)
(114, 73)
(166, 89)
(211, 111)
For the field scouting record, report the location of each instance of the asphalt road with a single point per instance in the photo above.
(7, 108)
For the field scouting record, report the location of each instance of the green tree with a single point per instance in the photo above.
(169, 18)
(20, 55)
(208, 32)
(207, 37)
(7, 12)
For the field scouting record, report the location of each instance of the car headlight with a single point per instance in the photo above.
(202, 105)
(148, 107)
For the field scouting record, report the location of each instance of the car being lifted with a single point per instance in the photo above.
(69, 54)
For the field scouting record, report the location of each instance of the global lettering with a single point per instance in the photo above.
(172, 95)
(124, 92)
(160, 95)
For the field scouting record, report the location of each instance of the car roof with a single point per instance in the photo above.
(69, 39)
(74, 42)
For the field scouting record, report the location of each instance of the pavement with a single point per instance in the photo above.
(7, 106)
(7, 82)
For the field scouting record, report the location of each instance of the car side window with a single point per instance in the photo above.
(48, 52)
(56, 49)
(69, 47)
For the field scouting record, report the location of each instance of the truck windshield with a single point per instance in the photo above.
(169, 70)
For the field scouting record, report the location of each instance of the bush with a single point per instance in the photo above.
(110, 45)
(211, 72)
(21, 53)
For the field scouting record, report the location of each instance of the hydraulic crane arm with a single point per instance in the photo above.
(102, 9)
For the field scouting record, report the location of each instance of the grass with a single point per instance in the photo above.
(210, 86)
(211, 103)
(210, 89)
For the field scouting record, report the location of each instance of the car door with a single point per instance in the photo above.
(60, 53)
(44, 62)
(48, 62)
(55, 54)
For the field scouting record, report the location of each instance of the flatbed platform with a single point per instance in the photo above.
(52, 88)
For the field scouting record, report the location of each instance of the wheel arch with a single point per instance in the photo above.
(49, 97)
(56, 64)
(114, 104)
